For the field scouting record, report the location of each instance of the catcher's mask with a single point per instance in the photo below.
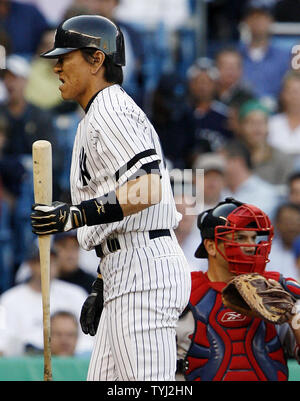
(224, 221)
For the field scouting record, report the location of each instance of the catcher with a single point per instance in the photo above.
(241, 322)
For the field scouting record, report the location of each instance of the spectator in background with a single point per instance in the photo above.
(210, 116)
(67, 250)
(52, 10)
(64, 333)
(213, 166)
(287, 229)
(264, 64)
(12, 176)
(284, 129)
(76, 9)
(27, 123)
(172, 13)
(42, 86)
(172, 117)
(5, 51)
(241, 182)
(22, 328)
(223, 17)
(11, 169)
(24, 25)
(70, 258)
(269, 163)
(293, 184)
(233, 121)
(230, 87)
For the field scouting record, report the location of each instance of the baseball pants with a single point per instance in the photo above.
(136, 339)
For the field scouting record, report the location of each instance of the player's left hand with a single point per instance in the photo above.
(55, 218)
(92, 309)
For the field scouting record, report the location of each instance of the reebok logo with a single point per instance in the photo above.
(232, 317)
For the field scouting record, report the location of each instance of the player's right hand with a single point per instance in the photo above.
(92, 309)
(55, 218)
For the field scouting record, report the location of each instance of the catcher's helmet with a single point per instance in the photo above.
(221, 223)
(89, 31)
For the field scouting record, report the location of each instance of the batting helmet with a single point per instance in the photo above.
(89, 31)
(221, 223)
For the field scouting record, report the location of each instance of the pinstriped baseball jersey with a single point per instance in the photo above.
(147, 280)
(113, 141)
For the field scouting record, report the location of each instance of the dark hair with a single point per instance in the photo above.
(226, 50)
(113, 73)
(294, 176)
(235, 148)
(252, 10)
(64, 313)
(285, 206)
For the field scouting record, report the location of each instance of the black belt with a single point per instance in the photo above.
(113, 244)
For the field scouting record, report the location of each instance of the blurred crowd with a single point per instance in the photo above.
(232, 112)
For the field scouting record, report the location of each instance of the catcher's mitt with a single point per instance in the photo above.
(256, 296)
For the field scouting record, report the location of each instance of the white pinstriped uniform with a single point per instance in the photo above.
(146, 282)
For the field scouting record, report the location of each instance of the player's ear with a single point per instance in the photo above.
(98, 60)
(210, 247)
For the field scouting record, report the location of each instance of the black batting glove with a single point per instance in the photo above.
(92, 309)
(58, 217)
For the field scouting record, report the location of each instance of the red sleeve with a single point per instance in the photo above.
(291, 285)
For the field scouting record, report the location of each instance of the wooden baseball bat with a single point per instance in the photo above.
(42, 182)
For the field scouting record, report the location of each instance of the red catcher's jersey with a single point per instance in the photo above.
(228, 346)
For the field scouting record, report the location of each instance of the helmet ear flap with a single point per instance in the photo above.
(119, 56)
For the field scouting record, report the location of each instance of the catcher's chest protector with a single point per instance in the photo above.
(228, 346)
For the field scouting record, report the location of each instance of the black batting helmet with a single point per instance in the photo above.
(89, 31)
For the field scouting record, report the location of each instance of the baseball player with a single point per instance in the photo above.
(216, 343)
(123, 207)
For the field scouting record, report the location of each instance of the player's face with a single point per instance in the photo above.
(73, 73)
(247, 238)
